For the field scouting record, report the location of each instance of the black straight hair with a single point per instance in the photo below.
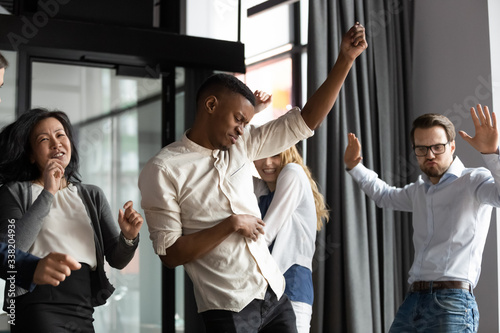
(15, 147)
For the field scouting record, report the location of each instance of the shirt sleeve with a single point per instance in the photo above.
(27, 222)
(290, 189)
(488, 189)
(385, 196)
(24, 266)
(277, 135)
(160, 205)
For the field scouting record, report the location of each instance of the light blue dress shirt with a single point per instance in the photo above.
(450, 219)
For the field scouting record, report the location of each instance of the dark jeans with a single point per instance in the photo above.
(267, 315)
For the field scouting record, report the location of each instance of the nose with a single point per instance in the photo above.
(54, 143)
(239, 130)
(268, 161)
(430, 154)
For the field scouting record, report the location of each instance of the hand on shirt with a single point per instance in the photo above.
(262, 100)
(352, 155)
(54, 268)
(249, 226)
(486, 139)
(130, 221)
(354, 42)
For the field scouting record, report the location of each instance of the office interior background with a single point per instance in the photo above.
(126, 72)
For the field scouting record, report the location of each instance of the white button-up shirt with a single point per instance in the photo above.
(187, 188)
(450, 219)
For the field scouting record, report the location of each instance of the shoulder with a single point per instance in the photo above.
(14, 187)
(293, 173)
(292, 170)
(176, 153)
(474, 174)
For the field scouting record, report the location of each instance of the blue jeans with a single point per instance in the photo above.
(444, 310)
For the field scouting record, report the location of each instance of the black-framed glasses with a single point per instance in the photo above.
(436, 149)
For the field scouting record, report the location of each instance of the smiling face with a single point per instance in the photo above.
(434, 166)
(49, 142)
(269, 169)
(229, 114)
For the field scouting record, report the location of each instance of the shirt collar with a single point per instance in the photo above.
(193, 146)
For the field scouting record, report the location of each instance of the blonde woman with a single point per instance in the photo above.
(293, 210)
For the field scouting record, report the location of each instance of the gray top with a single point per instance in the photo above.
(17, 208)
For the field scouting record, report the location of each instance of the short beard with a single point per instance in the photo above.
(436, 173)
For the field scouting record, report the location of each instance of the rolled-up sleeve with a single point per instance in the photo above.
(160, 205)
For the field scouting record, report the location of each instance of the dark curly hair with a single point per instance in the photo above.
(216, 82)
(15, 147)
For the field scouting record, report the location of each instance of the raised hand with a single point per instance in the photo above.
(130, 221)
(486, 138)
(249, 225)
(354, 42)
(54, 268)
(52, 176)
(262, 100)
(352, 155)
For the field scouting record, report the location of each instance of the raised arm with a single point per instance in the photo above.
(322, 101)
(385, 196)
(485, 140)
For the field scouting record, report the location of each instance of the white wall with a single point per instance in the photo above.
(452, 72)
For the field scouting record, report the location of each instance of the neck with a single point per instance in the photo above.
(271, 186)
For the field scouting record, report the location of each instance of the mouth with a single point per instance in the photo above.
(269, 171)
(58, 154)
(233, 138)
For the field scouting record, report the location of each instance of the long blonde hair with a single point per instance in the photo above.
(292, 155)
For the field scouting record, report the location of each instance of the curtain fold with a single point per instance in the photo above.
(364, 253)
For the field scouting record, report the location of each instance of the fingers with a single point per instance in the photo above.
(120, 216)
(130, 221)
(54, 268)
(357, 33)
(131, 214)
(52, 176)
(128, 204)
(66, 260)
(262, 96)
(465, 136)
(482, 116)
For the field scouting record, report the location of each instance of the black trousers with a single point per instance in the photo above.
(62, 309)
(264, 316)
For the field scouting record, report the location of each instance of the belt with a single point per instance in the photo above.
(435, 285)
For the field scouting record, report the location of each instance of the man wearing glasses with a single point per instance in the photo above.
(451, 207)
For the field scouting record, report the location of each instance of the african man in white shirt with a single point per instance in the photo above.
(197, 195)
(451, 208)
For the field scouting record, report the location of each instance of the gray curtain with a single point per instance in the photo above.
(364, 253)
